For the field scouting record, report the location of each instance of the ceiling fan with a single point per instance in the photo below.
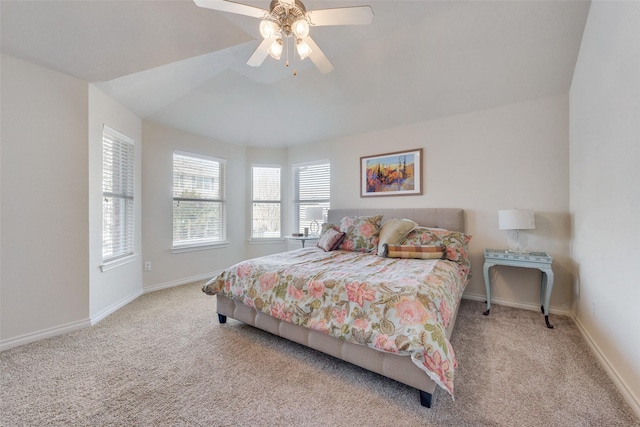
(289, 20)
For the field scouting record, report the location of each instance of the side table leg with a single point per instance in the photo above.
(547, 286)
(487, 285)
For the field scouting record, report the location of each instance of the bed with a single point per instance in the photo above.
(392, 316)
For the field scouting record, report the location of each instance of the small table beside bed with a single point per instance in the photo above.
(382, 292)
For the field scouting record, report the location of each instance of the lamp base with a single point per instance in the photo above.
(314, 230)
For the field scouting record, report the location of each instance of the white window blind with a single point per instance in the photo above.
(117, 195)
(311, 187)
(199, 200)
(266, 202)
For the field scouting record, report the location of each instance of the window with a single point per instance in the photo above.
(117, 195)
(312, 187)
(199, 200)
(266, 202)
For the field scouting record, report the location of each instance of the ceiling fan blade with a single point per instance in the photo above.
(358, 15)
(259, 55)
(318, 58)
(233, 7)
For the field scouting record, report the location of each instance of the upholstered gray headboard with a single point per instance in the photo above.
(449, 218)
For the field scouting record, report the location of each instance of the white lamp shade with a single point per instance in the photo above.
(313, 213)
(268, 29)
(301, 28)
(303, 49)
(516, 219)
(276, 49)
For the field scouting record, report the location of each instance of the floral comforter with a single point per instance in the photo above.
(394, 305)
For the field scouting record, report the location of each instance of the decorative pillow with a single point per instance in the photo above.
(454, 242)
(416, 252)
(330, 239)
(327, 225)
(393, 231)
(361, 233)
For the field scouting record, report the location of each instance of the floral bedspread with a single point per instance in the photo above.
(394, 305)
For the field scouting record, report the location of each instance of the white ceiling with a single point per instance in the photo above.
(175, 63)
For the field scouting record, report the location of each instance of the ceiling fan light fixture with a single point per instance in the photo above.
(276, 49)
(301, 28)
(268, 28)
(289, 19)
(304, 50)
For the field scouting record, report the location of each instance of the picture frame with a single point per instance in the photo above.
(391, 174)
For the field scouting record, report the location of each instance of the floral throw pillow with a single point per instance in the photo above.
(361, 233)
(454, 242)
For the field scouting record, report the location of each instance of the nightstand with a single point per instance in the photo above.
(538, 260)
(302, 238)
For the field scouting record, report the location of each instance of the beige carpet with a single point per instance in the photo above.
(164, 360)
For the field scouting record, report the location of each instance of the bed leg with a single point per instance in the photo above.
(222, 318)
(425, 399)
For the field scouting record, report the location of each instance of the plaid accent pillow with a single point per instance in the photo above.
(415, 252)
(393, 232)
(454, 242)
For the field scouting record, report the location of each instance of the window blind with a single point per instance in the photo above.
(117, 194)
(199, 200)
(266, 202)
(311, 187)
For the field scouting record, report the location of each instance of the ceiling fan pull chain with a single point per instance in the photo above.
(287, 63)
(293, 55)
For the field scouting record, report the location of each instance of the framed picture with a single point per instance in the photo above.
(391, 174)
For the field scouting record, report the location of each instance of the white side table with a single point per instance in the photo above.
(538, 260)
(302, 238)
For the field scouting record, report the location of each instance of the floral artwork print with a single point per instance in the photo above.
(394, 305)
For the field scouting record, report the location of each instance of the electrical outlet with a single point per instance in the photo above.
(147, 266)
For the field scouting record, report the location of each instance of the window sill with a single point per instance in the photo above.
(201, 247)
(110, 265)
(266, 241)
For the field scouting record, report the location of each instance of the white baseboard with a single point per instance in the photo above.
(514, 304)
(43, 334)
(114, 307)
(179, 282)
(81, 324)
(629, 397)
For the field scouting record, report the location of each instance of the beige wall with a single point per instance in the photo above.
(113, 288)
(44, 282)
(169, 268)
(506, 157)
(605, 199)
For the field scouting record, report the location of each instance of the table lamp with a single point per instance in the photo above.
(516, 219)
(314, 214)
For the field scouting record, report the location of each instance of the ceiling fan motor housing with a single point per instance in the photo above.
(286, 15)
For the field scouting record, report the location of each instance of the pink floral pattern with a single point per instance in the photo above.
(361, 233)
(394, 305)
(410, 311)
